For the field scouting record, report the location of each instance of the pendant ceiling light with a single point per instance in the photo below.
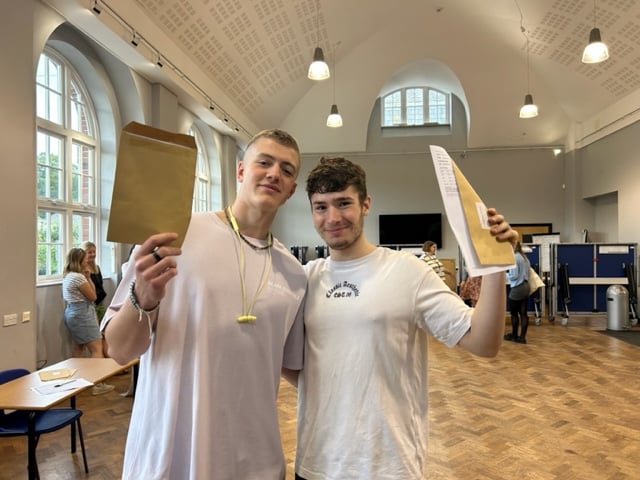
(318, 70)
(596, 50)
(334, 120)
(529, 109)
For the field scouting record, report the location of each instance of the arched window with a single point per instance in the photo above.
(202, 188)
(407, 107)
(66, 158)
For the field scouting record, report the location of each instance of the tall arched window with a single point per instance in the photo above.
(66, 157)
(202, 188)
(407, 106)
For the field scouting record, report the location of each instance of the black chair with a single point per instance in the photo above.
(18, 422)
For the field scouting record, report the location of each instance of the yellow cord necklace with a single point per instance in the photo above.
(247, 308)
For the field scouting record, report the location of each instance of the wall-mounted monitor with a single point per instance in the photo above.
(410, 228)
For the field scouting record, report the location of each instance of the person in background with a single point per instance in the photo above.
(96, 277)
(79, 294)
(215, 322)
(362, 394)
(429, 249)
(518, 278)
(469, 290)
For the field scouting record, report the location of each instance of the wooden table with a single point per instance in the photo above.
(19, 395)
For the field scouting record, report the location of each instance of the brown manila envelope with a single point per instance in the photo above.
(56, 374)
(153, 187)
(468, 219)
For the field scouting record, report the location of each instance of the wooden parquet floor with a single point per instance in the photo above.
(564, 406)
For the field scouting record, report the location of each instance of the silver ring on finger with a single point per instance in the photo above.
(156, 255)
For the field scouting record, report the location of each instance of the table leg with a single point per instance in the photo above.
(72, 401)
(32, 441)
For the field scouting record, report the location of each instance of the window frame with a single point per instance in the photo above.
(79, 214)
(399, 104)
(201, 196)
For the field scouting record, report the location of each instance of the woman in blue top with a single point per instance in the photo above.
(518, 277)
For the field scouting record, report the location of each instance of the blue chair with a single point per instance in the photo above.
(18, 423)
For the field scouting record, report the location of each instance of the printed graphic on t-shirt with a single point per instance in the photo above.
(343, 290)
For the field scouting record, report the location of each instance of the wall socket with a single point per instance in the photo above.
(10, 319)
(26, 316)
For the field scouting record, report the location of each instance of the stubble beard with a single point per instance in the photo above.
(345, 243)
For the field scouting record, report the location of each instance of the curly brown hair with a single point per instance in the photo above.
(337, 174)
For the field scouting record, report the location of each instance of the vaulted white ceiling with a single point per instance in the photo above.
(250, 58)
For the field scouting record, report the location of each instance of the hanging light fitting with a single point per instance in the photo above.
(318, 70)
(596, 50)
(529, 109)
(334, 120)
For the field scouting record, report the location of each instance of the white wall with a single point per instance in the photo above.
(17, 186)
(526, 186)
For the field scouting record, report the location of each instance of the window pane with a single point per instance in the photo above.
(438, 107)
(81, 229)
(49, 158)
(201, 190)
(50, 242)
(49, 81)
(415, 106)
(392, 109)
(201, 195)
(80, 121)
(82, 174)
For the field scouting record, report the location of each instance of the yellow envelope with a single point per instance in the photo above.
(153, 187)
(56, 374)
(488, 251)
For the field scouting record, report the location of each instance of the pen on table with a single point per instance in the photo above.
(63, 383)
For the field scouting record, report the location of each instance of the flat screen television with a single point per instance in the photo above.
(410, 228)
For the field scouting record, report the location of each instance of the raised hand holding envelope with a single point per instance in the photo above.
(153, 188)
(468, 219)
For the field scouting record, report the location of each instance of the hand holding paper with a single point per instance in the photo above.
(484, 252)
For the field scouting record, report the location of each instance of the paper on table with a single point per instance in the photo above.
(64, 385)
(153, 187)
(56, 374)
(467, 215)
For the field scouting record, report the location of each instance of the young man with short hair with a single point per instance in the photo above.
(362, 395)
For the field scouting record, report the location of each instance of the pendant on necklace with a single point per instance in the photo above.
(246, 318)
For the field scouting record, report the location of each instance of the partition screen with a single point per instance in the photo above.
(410, 228)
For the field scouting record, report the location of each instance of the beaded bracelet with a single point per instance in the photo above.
(136, 305)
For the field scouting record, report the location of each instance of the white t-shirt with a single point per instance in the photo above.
(362, 396)
(205, 403)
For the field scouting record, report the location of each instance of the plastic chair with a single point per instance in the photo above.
(17, 423)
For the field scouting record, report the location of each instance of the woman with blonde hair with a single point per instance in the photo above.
(79, 293)
(96, 277)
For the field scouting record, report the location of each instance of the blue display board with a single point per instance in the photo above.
(584, 271)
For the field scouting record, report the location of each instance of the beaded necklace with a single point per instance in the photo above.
(234, 224)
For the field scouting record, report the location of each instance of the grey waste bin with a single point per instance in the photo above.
(617, 308)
